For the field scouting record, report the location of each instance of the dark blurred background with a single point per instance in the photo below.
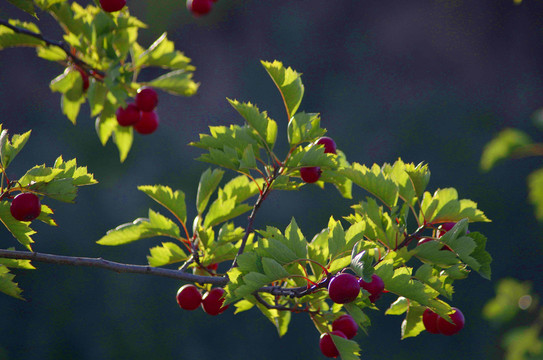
(428, 81)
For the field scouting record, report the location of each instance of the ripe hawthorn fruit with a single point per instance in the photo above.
(343, 288)
(329, 144)
(146, 99)
(375, 287)
(345, 324)
(199, 7)
(112, 5)
(429, 319)
(213, 300)
(310, 174)
(148, 123)
(446, 328)
(189, 297)
(327, 346)
(129, 115)
(25, 207)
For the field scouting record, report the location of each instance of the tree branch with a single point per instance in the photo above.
(60, 44)
(113, 266)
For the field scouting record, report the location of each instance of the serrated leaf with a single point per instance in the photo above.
(167, 253)
(444, 206)
(398, 307)
(289, 84)
(39, 173)
(174, 201)
(123, 138)
(10, 38)
(222, 210)
(45, 214)
(243, 305)
(535, 192)
(432, 277)
(374, 181)
(162, 53)
(273, 247)
(248, 160)
(96, 94)
(362, 263)
(177, 82)
(156, 225)
(433, 252)
(273, 270)
(348, 349)
(19, 229)
(503, 146)
(7, 285)
(304, 127)
(209, 181)
(481, 255)
(412, 325)
(10, 148)
(263, 125)
(295, 240)
(420, 177)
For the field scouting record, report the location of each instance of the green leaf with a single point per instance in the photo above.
(504, 307)
(336, 238)
(45, 214)
(503, 146)
(25, 5)
(273, 270)
(398, 307)
(162, 53)
(362, 263)
(51, 53)
(177, 82)
(248, 160)
(263, 125)
(174, 201)
(444, 206)
(96, 94)
(123, 137)
(304, 127)
(155, 225)
(10, 148)
(433, 252)
(10, 38)
(432, 277)
(523, 341)
(7, 285)
(420, 177)
(209, 181)
(19, 229)
(535, 192)
(412, 325)
(481, 255)
(374, 181)
(39, 173)
(222, 210)
(289, 84)
(295, 240)
(348, 349)
(167, 253)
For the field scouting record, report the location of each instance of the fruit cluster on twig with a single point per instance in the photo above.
(141, 113)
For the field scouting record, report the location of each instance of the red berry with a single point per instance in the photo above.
(346, 324)
(146, 99)
(446, 328)
(188, 297)
(112, 5)
(199, 7)
(375, 287)
(343, 288)
(128, 116)
(444, 228)
(148, 123)
(429, 319)
(328, 348)
(310, 174)
(329, 144)
(213, 300)
(25, 207)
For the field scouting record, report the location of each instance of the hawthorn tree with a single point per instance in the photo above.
(401, 238)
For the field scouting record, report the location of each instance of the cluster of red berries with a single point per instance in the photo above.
(345, 327)
(112, 5)
(311, 174)
(200, 7)
(344, 288)
(435, 324)
(141, 113)
(190, 298)
(25, 207)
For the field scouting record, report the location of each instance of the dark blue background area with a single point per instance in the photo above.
(429, 81)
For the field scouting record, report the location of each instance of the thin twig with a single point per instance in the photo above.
(113, 266)
(60, 44)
